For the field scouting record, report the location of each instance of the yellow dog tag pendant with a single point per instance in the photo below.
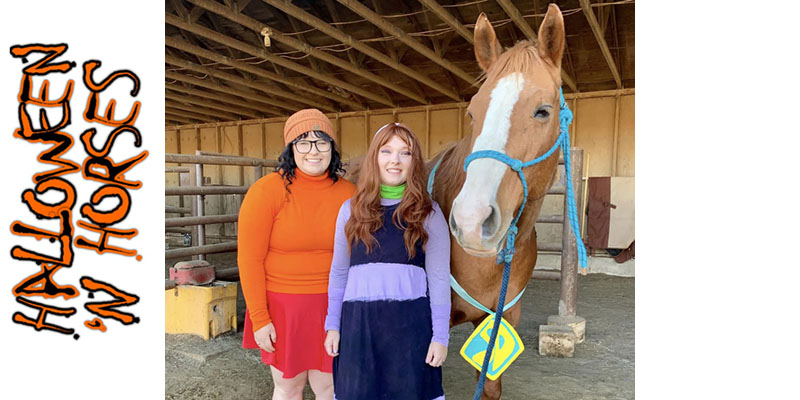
(507, 347)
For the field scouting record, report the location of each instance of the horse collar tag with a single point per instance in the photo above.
(508, 347)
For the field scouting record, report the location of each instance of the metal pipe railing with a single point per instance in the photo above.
(201, 250)
(203, 220)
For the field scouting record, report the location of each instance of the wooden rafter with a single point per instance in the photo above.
(240, 66)
(598, 34)
(261, 53)
(437, 45)
(530, 33)
(304, 47)
(187, 114)
(270, 102)
(244, 108)
(236, 112)
(335, 17)
(178, 44)
(616, 41)
(404, 37)
(324, 27)
(449, 19)
(200, 110)
(178, 120)
(395, 54)
(195, 14)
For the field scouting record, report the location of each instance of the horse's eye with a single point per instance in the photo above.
(469, 114)
(542, 112)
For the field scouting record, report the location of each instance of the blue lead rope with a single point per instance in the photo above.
(507, 254)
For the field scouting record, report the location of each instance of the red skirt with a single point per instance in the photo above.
(299, 321)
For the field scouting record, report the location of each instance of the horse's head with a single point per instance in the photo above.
(514, 112)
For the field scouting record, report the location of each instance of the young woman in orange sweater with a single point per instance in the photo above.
(286, 229)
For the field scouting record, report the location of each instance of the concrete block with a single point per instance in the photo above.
(556, 341)
(578, 325)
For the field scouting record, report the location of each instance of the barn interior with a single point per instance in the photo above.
(236, 69)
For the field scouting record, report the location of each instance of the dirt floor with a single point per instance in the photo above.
(602, 368)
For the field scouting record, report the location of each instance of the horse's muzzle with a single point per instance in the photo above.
(475, 226)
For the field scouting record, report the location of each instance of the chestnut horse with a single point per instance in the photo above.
(516, 112)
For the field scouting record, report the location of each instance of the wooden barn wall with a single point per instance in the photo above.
(436, 126)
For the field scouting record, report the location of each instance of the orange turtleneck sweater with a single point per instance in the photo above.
(286, 239)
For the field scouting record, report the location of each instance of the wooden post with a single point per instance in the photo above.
(427, 133)
(263, 127)
(574, 125)
(240, 137)
(338, 127)
(201, 229)
(569, 249)
(218, 133)
(258, 172)
(366, 132)
(615, 143)
(460, 122)
(582, 209)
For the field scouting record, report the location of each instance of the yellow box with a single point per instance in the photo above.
(207, 311)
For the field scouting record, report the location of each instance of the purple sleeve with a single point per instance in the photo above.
(340, 265)
(437, 267)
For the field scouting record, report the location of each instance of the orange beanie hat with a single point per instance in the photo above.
(304, 121)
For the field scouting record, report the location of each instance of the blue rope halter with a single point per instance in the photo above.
(507, 254)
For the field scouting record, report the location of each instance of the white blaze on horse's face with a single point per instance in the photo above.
(475, 211)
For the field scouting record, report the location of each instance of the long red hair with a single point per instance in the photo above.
(366, 212)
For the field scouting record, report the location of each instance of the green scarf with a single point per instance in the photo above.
(392, 192)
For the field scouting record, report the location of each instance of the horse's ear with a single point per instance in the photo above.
(487, 47)
(551, 36)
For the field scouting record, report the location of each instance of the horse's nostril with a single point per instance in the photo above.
(453, 225)
(491, 223)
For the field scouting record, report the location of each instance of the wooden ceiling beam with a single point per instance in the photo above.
(324, 27)
(252, 97)
(311, 60)
(187, 114)
(195, 14)
(396, 54)
(242, 67)
(393, 30)
(598, 34)
(236, 112)
(176, 104)
(335, 17)
(615, 33)
(529, 32)
(261, 53)
(181, 45)
(437, 45)
(449, 19)
(178, 120)
(245, 108)
(257, 26)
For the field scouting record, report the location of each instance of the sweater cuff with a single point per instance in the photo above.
(259, 319)
(258, 326)
(332, 323)
(440, 315)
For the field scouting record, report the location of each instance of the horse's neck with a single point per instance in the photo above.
(450, 175)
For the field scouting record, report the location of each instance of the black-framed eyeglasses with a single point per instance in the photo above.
(304, 146)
